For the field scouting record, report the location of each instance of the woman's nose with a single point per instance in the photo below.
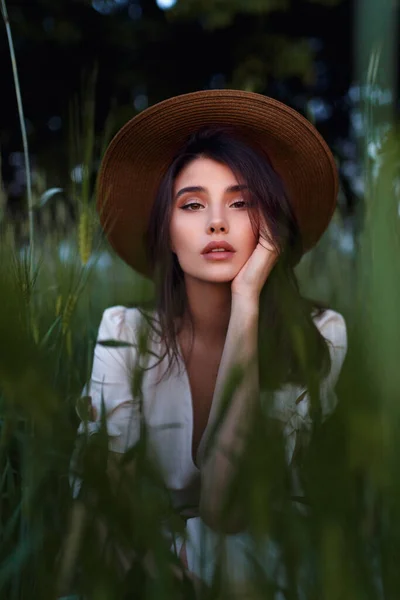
(217, 225)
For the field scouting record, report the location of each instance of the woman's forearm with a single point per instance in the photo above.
(218, 470)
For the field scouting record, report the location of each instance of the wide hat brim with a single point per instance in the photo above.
(141, 152)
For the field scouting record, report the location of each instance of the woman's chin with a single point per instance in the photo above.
(219, 274)
(220, 278)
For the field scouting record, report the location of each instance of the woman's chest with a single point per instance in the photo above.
(202, 370)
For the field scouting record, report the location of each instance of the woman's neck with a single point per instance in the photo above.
(209, 305)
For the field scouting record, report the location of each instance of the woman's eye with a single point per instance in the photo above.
(187, 206)
(191, 204)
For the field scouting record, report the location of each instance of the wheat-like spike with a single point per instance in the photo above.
(85, 236)
(58, 305)
(68, 310)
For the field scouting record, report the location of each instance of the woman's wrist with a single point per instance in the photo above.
(243, 329)
(245, 305)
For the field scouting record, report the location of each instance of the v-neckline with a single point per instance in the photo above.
(189, 395)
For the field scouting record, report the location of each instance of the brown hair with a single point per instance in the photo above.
(286, 326)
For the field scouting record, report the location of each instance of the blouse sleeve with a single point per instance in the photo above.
(292, 403)
(110, 380)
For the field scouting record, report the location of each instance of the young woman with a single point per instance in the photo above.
(216, 195)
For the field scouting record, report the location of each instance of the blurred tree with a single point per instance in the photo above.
(220, 13)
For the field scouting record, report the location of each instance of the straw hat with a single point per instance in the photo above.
(141, 152)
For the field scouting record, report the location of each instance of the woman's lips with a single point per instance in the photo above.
(218, 255)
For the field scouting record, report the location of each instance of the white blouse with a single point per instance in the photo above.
(167, 407)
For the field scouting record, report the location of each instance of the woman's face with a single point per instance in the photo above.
(209, 205)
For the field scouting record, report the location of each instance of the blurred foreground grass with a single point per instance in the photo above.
(344, 546)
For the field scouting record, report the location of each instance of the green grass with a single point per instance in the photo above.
(344, 547)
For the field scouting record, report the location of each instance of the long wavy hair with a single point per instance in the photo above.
(290, 344)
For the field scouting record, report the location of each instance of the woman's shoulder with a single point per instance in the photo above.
(332, 326)
(118, 320)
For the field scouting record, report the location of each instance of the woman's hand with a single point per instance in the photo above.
(251, 278)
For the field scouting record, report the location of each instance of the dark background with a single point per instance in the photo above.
(297, 51)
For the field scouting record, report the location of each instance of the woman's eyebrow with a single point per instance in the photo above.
(237, 188)
(191, 188)
(198, 188)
